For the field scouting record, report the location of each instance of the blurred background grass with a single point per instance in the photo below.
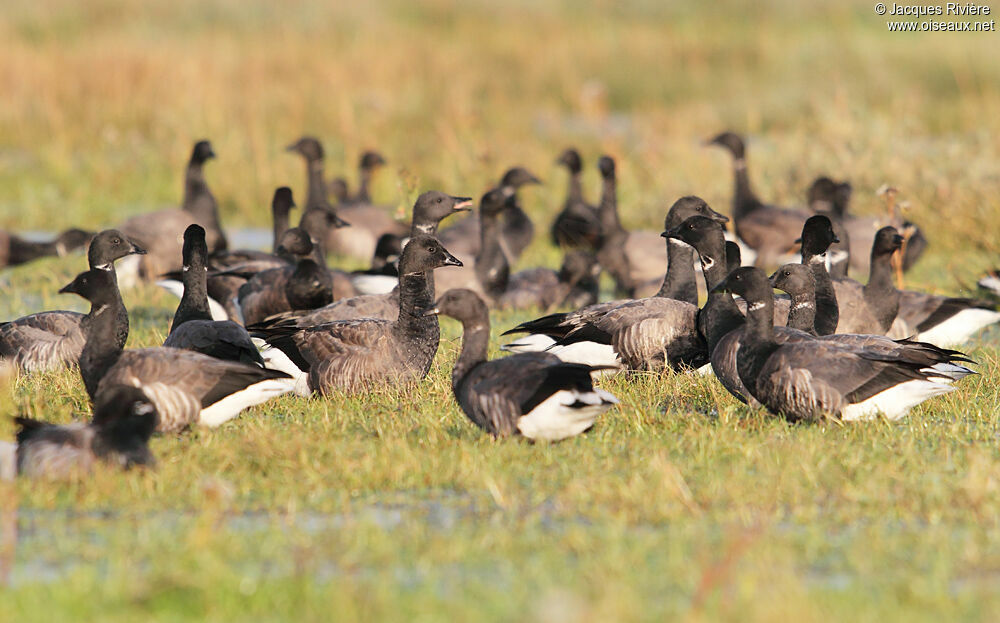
(103, 99)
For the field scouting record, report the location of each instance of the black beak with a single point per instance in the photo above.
(211, 154)
(532, 180)
(451, 260)
(462, 204)
(772, 279)
(431, 311)
(673, 232)
(722, 286)
(136, 249)
(336, 222)
(897, 240)
(67, 289)
(836, 240)
(292, 147)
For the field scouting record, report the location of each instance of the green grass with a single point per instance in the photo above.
(680, 503)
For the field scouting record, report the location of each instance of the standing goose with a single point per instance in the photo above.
(611, 252)
(531, 394)
(355, 355)
(118, 435)
(578, 224)
(368, 221)
(810, 378)
(53, 339)
(193, 327)
(517, 229)
(266, 293)
(429, 210)
(15, 250)
(818, 235)
(311, 151)
(766, 229)
(185, 387)
(677, 283)
(162, 233)
(490, 273)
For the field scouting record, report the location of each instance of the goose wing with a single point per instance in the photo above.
(42, 341)
(220, 339)
(350, 353)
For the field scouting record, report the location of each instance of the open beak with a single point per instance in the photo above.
(462, 204)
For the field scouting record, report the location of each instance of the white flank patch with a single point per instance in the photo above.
(896, 401)
(950, 371)
(177, 289)
(554, 419)
(374, 284)
(275, 359)
(531, 343)
(588, 353)
(960, 327)
(127, 270)
(8, 460)
(990, 283)
(705, 370)
(231, 406)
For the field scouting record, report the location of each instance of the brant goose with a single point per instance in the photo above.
(944, 321)
(575, 284)
(517, 231)
(383, 276)
(808, 379)
(614, 239)
(354, 355)
(53, 339)
(162, 233)
(15, 250)
(118, 435)
(368, 221)
(872, 308)
(490, 272)
(429, 210)
(766, 229)
(185, 387)
(818, 237)
(531, 394)
(193, 327)
(578, 224)
(312, 152)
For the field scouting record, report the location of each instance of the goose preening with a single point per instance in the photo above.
(53, 339)
(517, 230)
(578, 224)
(809, 378)
(193, 327)
(678, 283)
(767, 229)
(185, 387)
(535, 395)
(15, 250)
(307, 284)
(368, 221)
(118, 435)
(161, 233)
(353, 355)
(429, 210)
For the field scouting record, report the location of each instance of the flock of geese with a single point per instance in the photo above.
(252, 325)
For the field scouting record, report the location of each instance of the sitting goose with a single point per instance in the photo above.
(517, 229)
(578, 224)
(15, 250)
(429, 210)
(531, 394)
(872, 308)
(354, 355)
(53, 339)
(124, 420)
(677, 283)
(267, 292)
(383, 276)
(574, 285)
(766, 229)
(810, 378)
(193, 327)
(945, 321)
(368, 221)
(162, 233)
(185, 387)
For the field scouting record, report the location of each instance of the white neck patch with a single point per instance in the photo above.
(755, 306)
(104, 266)
(818, 259)
(707, 262)
(803, 305)
(425, 229)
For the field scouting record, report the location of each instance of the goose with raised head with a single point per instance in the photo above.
(53, 339)
(871, 308)
(517, 229)
(162, 233)
(535, 395)
(429, 210)
(118, 435)
(354, 355)
(578, 224)
(368, 221)
(767, 229)
(193, 327)
(15, 250)
(809, 379)
(185, 387)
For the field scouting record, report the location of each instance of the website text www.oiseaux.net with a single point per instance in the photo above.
(927, 13)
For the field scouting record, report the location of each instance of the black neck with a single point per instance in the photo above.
(802, 312)
(679, 281)
(744, 200)
(106, 330)
(195, 188)
(364, 185)
(720, 314)
(194, 302)
(415, 296)
(281, 223)
(880, 293)
(492, 265)
(475, 344)
(575, 191)
(317, 188)
(826, 311)
(609, 206)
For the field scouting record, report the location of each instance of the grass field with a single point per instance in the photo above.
(680, 503)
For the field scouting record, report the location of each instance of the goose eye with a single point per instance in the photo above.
(439, 200)
(788, 274)
(432, 249)
(690, 225)
(116, 241)
(701, 208)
